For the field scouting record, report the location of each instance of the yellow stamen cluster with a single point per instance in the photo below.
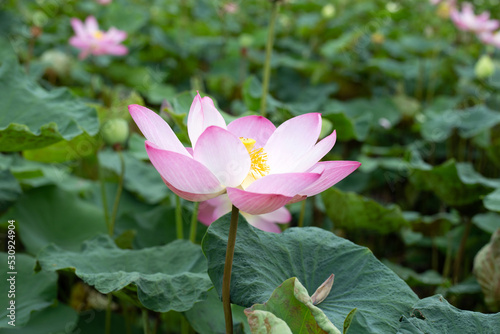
(258, 158)
(98, 34)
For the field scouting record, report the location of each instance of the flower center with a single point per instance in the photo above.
(258, 159)
(98, 34)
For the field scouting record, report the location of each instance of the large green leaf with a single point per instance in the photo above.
(77, 148)
(357, 117)
(33, 291)
(291, 303)
(59, 319)
(352, 211)
(262, 261)
(32, 117)
(207, 317)
(156, 226)
(51, 215)
(489, 221)
(492, 201)
(136, 147)
(429, 277)
(252, 93)
(456, 183)
(129, 18)
(438, 124)
(170, 277)
(349, 128)
(9, 189)
(435, 315)
(37, 174)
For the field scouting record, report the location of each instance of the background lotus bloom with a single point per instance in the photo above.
(491, 38)
(261, 167)
(104, 2)
(230, 7)
(90, 40)
(213, 209)
(467, 21)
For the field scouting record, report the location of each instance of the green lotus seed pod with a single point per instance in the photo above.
(487, 271)
(328, 11)
(484, 67)
(326, 128)
(115, 131)
(246, 40)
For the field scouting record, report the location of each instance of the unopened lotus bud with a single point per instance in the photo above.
(328, 11)
(484, 67)
(39, 18)
(285, 21)
(326, 128)
(115, 131)
(323, 291)
(56, 61)
(487, 271)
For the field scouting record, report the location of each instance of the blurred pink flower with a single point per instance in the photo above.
(213, 209)
(466, 19)
(384, 122)
(259, 166)
(230, 7)
(491, 38)
(104, 2)
(448, 2)
(90, 40)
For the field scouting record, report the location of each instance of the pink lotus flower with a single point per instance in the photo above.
(491, 38)
(213, 209)
(104, 2)
(466, 20)
(259, 166)
(90, 40)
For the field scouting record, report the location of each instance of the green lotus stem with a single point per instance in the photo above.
(126, 315)
(447, 261)
(104, 199)
(108, 315)
(194, 223)
(228, 265)
(118, 195)
(461, 250)
(420, 81)
(145, 321)
(267, 64)
(107, 328)
(302, 214)
(184, 326)
(178, 218)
